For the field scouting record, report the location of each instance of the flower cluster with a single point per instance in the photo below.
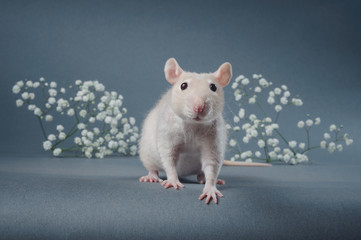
(100, 126)
(265, 131)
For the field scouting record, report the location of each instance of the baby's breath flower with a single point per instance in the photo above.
(47, 145)
(263, 82)
(258, 154)
(317, 121)
(241, 113)
(309, 122)
(245, 81)
(62, 90)
(16, 89)
(339, 147)
(62, 136)
(292, 144)
(323, 144)
(277, 91)
(52, 92)
(239, 78)
(25, 95)
(348, 141)
(252, 100)
(53, 84)
(261, 143)
(326, 136)
(51, 137)
(48, 118)
(331, 147)
(57, 152)
(300, 124)
(284, 100)
(258, 89)
(37, 112)
(278, 108)
(81, 126)
(19, 102)
(235, 85)
(332, 127)
(71, 112)
(236, 119)
(232, 142)
(286, 94)
(271, 100)
(82, 113)
(297, 102)
(302, 145)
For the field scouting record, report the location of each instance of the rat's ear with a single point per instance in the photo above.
(224, 74)
(172, 70)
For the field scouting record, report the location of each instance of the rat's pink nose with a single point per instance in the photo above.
(198, 108)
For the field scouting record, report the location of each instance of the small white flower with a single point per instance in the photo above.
(252, 100)
(132, 120)
(284, 100)
(81, 126)
(284, 87)
(57, 152)
(326, 136)
(236, 119)
(42, 79)
(62, 90)
(234, 85)
(323, 144)
(19, 102)
(77, 141)
(302, 145)
(292, 144)
(29, 84)
(297, 102)
(332, 127)
(241, 113)
(317, 121)
(278, 108)
(92, 119)
(51, 100)
(25, 95)
(339, 147)
(82, 113)
(271, 100)
(51, 137)
(48, 118)
(38, 112)
(232, 142)
(257, 89)
(47, 145)
(238, 96)
(272, 155)
(71, 112)
(53, 84)
(263, 82)
(78, 82)
(52, 92)
(62, 136)
(108, 120)
(31, 107)
(277, 91)
(309, 122)
(331, 147)
(258, 154)
(300, 124)
(286, 94)
(261, 143)
(245, 139)
(245, 81)
(252, 117)
(60, 128)
(16, 89)
(348, 141)
(239, 78)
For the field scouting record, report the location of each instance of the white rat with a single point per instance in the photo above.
(185, 134)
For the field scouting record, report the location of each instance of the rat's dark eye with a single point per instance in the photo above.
(213, 87)
(184, 86)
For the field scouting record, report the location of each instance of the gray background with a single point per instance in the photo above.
(312, 46)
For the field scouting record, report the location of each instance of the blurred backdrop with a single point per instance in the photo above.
(314, 47)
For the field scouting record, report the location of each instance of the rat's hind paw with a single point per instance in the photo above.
(151, 177)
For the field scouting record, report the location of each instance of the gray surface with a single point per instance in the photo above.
(44, 198)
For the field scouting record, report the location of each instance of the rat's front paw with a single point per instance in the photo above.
(172, 183)
(210, 193)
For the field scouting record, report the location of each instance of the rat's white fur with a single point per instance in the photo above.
(185, 133)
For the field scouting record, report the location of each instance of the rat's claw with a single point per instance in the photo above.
(150, 178)
(210, 193)
(172, 183)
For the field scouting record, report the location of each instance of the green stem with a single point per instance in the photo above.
(308, 138)
(284, 139)
(260, 106)
(42, 128)
(309, 149)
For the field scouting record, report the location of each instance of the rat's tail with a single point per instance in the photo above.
(245, 164)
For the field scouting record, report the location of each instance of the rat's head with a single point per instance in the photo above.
(197, 97)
